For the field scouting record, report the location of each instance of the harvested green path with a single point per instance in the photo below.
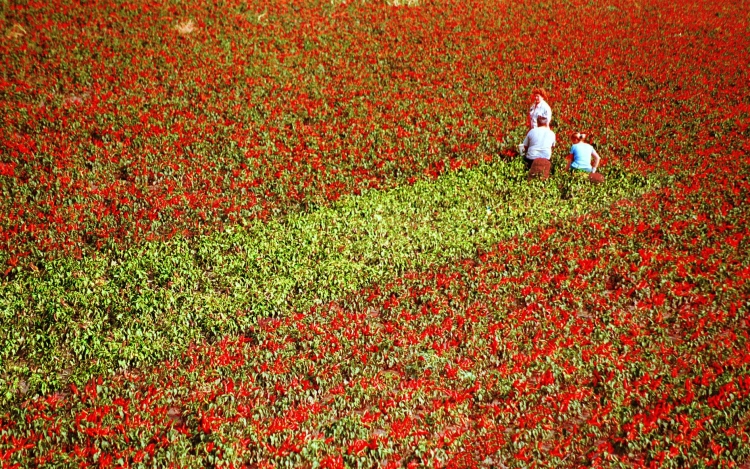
(78, 318)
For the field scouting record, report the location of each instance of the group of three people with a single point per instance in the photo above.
(541, 139)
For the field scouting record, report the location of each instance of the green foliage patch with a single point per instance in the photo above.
(74, 319)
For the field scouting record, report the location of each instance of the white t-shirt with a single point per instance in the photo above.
(539, 142)
(541, 109)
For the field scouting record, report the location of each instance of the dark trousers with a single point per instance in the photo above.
(527, 162)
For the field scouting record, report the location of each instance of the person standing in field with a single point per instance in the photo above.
(539, 107)
(537, 148)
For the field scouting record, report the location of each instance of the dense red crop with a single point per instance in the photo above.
(621, 337)
(127, 121)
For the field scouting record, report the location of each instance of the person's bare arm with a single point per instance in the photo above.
(596, 161)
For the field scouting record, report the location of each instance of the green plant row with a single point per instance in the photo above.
(74, 319)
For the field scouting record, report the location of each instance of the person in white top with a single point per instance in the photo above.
(539, 142)
(539, 107)
(537, 147)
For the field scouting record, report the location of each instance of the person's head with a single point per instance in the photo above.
(575, 137)
(538, 95)
(541, 121)
(585, 137)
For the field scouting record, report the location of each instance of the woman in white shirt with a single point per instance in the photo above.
(539, 107)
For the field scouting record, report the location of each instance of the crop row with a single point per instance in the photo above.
(128, 122)
(612, 339)
(75, 319)
(375, 284)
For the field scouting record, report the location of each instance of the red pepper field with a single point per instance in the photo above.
(296, 234)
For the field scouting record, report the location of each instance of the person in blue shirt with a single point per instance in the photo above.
(582, 154)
